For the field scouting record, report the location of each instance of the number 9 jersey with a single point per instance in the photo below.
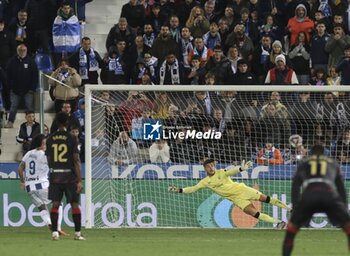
(60, 149)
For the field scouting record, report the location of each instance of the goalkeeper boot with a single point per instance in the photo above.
(78, 236)
(55, 236)
(281, 225)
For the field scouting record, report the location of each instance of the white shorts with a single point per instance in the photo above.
(40, 197)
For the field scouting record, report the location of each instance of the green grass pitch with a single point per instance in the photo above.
(169, 242)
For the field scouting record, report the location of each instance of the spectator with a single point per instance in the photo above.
(193, 76)
(183, 10)
(79, 7)
(224, 31)
(319, 57)
(66, 31)
(162, 105)
(3, 87)
(212, 38)
(27, 131)
(75, 131)
(201, 50)
(243, 75)
(270, 155)
(299, 23)
(229, 105)
(269, 28)
(326, 112)
(197, 22)
(139, 71)
(116, 67)
(174, 28)
(22, 79)
(40, 18)
(156, 19)
(342, 150)
(333, 78)
(186, 46)
(336, 44)
(171, 72)
(219, 123)
(242, 41)
(281, 110)
(230, 16)
(163, 45)
(276, 50)
(220, 66)
(251, 30)
(68, 92)
(133, 12)
(343, 66)
(232, 149)
(159, 152)
(319, 77)
(87, 62)
(151, 63)
(137, 124)
(209, 11)
(19, 29)
(124, 150)
(137, 50)
(234, 56)
(72, 121)
(303, 114)
(120, 32)
(261, 55)
(79, 115)
(7, 44)
(148, 35)
(300, 57)
(281, 74)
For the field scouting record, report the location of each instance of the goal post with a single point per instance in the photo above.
(140, 139)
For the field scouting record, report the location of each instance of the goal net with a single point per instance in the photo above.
(142, 139)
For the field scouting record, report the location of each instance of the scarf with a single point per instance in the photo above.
(83, 65)
(186, 48)
(325, 8)
(152, 64)
(264, 55)
(148, 40)
(116, 66)
(268, 154)
(204, 55)
(174, 72)
(62, 76)
(21, 33)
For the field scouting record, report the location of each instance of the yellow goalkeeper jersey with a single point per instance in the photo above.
(220, 183)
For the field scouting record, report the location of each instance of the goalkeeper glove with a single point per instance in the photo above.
(245, 165)
(173, 189)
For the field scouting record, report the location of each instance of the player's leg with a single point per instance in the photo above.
(252, 211)
(59, 221)
(274, 201)
(73, 197)
(39, 199)
(55, 195)
(288, 242)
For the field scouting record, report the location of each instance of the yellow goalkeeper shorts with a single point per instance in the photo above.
(247, 195)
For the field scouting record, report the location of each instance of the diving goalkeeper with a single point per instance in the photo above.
(241, 195)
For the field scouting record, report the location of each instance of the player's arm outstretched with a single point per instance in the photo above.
(186, 190)
(244, 167)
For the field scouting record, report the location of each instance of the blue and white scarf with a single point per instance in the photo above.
(174, 72)
(116, 66)
(83, 65)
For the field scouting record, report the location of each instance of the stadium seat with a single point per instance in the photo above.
(44, 62)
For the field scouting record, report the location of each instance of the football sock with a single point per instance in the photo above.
(289, 240)
(60, 217)
(54, 218)
(77, 219)
(46, 217)
(267, 218)
(275, 201)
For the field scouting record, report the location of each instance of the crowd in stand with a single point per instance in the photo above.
(196, 42)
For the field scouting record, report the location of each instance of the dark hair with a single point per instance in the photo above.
(208, 161)
(317, 150)
(29, 112)
(61, 119)
(347, 47)
(37, 141)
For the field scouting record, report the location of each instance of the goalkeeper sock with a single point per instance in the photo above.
(289, 240)
(267, 218)
(54, 218)
(275, 201)
(77, 219)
